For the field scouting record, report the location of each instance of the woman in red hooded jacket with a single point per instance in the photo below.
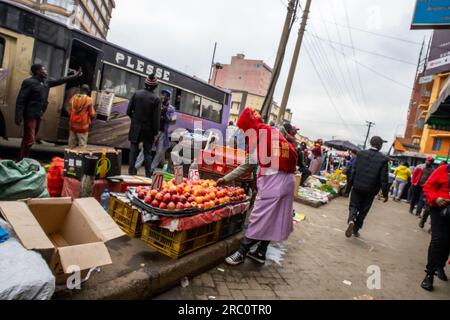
(271, 217)
(437, 193)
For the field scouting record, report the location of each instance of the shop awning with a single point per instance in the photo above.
(439, 114)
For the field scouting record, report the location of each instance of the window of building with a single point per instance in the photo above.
(235, 107)
(91, 5)
(50, 57)
(103, 9)
(65, 4)
(421, 123)
(211, 110)
(2, 51)
(437, 144)
(124, 84)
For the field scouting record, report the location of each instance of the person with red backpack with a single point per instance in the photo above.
(81, 112)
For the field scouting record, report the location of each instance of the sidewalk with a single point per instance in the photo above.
(316, 260)
(139, 272)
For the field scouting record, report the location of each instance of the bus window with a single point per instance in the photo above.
(190, 104)
(50, 57)
(211, 110)
(123, 83)
(2, 50)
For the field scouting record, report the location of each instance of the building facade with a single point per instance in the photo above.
(92, 16)
(242, 99)
(243, 74)
(421, 139)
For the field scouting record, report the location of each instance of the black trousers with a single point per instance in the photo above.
(439, 249)
(305, 175)
(416, 192)
(247, 244)
(360, 204)
(134, 152)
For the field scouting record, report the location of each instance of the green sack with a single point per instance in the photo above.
(22, 180)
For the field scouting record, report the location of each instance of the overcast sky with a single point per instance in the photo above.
(181, 34)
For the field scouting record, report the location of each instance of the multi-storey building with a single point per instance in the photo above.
(243, 74)
(93, 16)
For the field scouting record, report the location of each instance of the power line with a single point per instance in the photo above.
(366, 51)
(339, 71)
(328, 71)
(323, 63)
(373, 33)
(372, 70)
(345, 60)
(358, 74)
(326, 89)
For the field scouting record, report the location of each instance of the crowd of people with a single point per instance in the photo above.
(368, 172)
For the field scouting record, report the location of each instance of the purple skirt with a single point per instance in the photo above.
(271, 218)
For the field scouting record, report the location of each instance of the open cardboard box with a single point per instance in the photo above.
(66, 233)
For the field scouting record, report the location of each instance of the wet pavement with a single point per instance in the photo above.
(319, 262)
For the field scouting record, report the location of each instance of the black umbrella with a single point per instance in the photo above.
(342, 145)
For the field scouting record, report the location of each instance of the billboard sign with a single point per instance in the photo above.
(439, 56)
(431, 14)
(424, 80)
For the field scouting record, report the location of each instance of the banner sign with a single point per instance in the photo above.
(431, 14)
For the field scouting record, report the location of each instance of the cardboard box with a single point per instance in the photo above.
(66, 233)
(110, 166)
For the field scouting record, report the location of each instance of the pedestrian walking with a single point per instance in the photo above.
(369, 175)
(437, 192)
(302, 165)
(316, 161)
(402, 175)
(271, 217)
(168, 117)
(144, 110)
(419, 177)
(32, 102)
(81, 112)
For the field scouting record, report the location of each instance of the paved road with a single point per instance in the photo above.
(317, 259)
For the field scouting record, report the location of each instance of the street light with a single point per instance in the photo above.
(218, 67)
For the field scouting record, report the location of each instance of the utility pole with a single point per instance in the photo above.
(287, 90)
(212, 63)
(369, 126)
(291, 9)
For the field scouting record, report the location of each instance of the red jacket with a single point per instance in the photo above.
(417, 174)
(437, 186)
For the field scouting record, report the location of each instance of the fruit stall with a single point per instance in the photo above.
(177, 219)
(320, 190)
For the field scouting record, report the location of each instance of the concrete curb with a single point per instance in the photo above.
(146, 283)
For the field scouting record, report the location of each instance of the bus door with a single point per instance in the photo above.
(88, 58)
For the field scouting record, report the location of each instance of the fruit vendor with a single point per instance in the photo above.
(271, 217)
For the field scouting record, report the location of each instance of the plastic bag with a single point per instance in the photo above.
(22, 180)
(24, 274)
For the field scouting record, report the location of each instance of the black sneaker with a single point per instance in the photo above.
(421, 224)
(356, 234)
(440, 273)
(257, 256)
(427, 283)
(349, 231)
(235, 259)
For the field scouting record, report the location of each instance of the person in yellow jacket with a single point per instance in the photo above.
(402, 175)
(81, 112)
